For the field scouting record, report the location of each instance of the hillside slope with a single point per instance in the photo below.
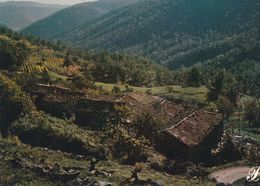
(17, 15)
(72, 17)
(173, 32)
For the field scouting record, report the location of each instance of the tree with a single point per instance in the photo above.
(225, 107)
(67, 60)
(217, 86)
(253, 113)
(223, 84)
(194, 77)
(79, 81)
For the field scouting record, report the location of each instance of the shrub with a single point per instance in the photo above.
(80, 82)
(12, 55)
(149, 91)
(148, 126)
(40, 130)
(116, 90)
(13, 100)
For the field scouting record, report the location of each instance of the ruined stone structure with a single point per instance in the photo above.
(90, 112)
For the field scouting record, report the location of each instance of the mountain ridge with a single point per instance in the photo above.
(70, 18)
(17, 15)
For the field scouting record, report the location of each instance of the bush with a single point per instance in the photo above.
(116, 90)
(12, 55)
(148, 126)
(149, 91)
(40, 130)
(128, 89)
(80, 82)
(13, 100)
(122, 142)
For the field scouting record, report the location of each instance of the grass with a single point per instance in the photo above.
(56, 76)
(248, 133)
(189, 94)
(177, 92)
(11, 149)
(239, 123)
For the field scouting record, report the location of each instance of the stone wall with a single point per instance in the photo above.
(61, 102)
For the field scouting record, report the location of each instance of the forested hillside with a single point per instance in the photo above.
(70, 18)
(213, 35)
(19, 53)
(170, 31)
(17, 15)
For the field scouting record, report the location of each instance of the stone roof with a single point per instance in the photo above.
(186, 125)
(193, 129)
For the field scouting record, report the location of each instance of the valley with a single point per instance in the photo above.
(134, 92)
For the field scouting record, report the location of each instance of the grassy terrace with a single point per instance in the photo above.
(177, 92)
(252, 133)
(197, 94)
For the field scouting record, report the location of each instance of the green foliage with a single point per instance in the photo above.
(116, 90)
(149, 91)
(116, 68)
(225, 107)
(72, 17)
(120, 139)
(14, 101)
(128, 88)
(194, 77)
(170, 35)
(221, 40)
(38, 129)
(253, 113)
(12, 55)
(148, 126)
(68, 61)
(223, 84)
(81, 82)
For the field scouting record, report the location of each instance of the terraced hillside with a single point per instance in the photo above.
(58, 126)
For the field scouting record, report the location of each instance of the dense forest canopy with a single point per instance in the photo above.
(169, 31)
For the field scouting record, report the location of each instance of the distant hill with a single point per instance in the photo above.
(19, 14)
(70, 18)
(172, 32)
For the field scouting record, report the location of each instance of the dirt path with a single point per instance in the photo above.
(230, 175)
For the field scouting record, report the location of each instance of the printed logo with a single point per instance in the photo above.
(253, 174)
